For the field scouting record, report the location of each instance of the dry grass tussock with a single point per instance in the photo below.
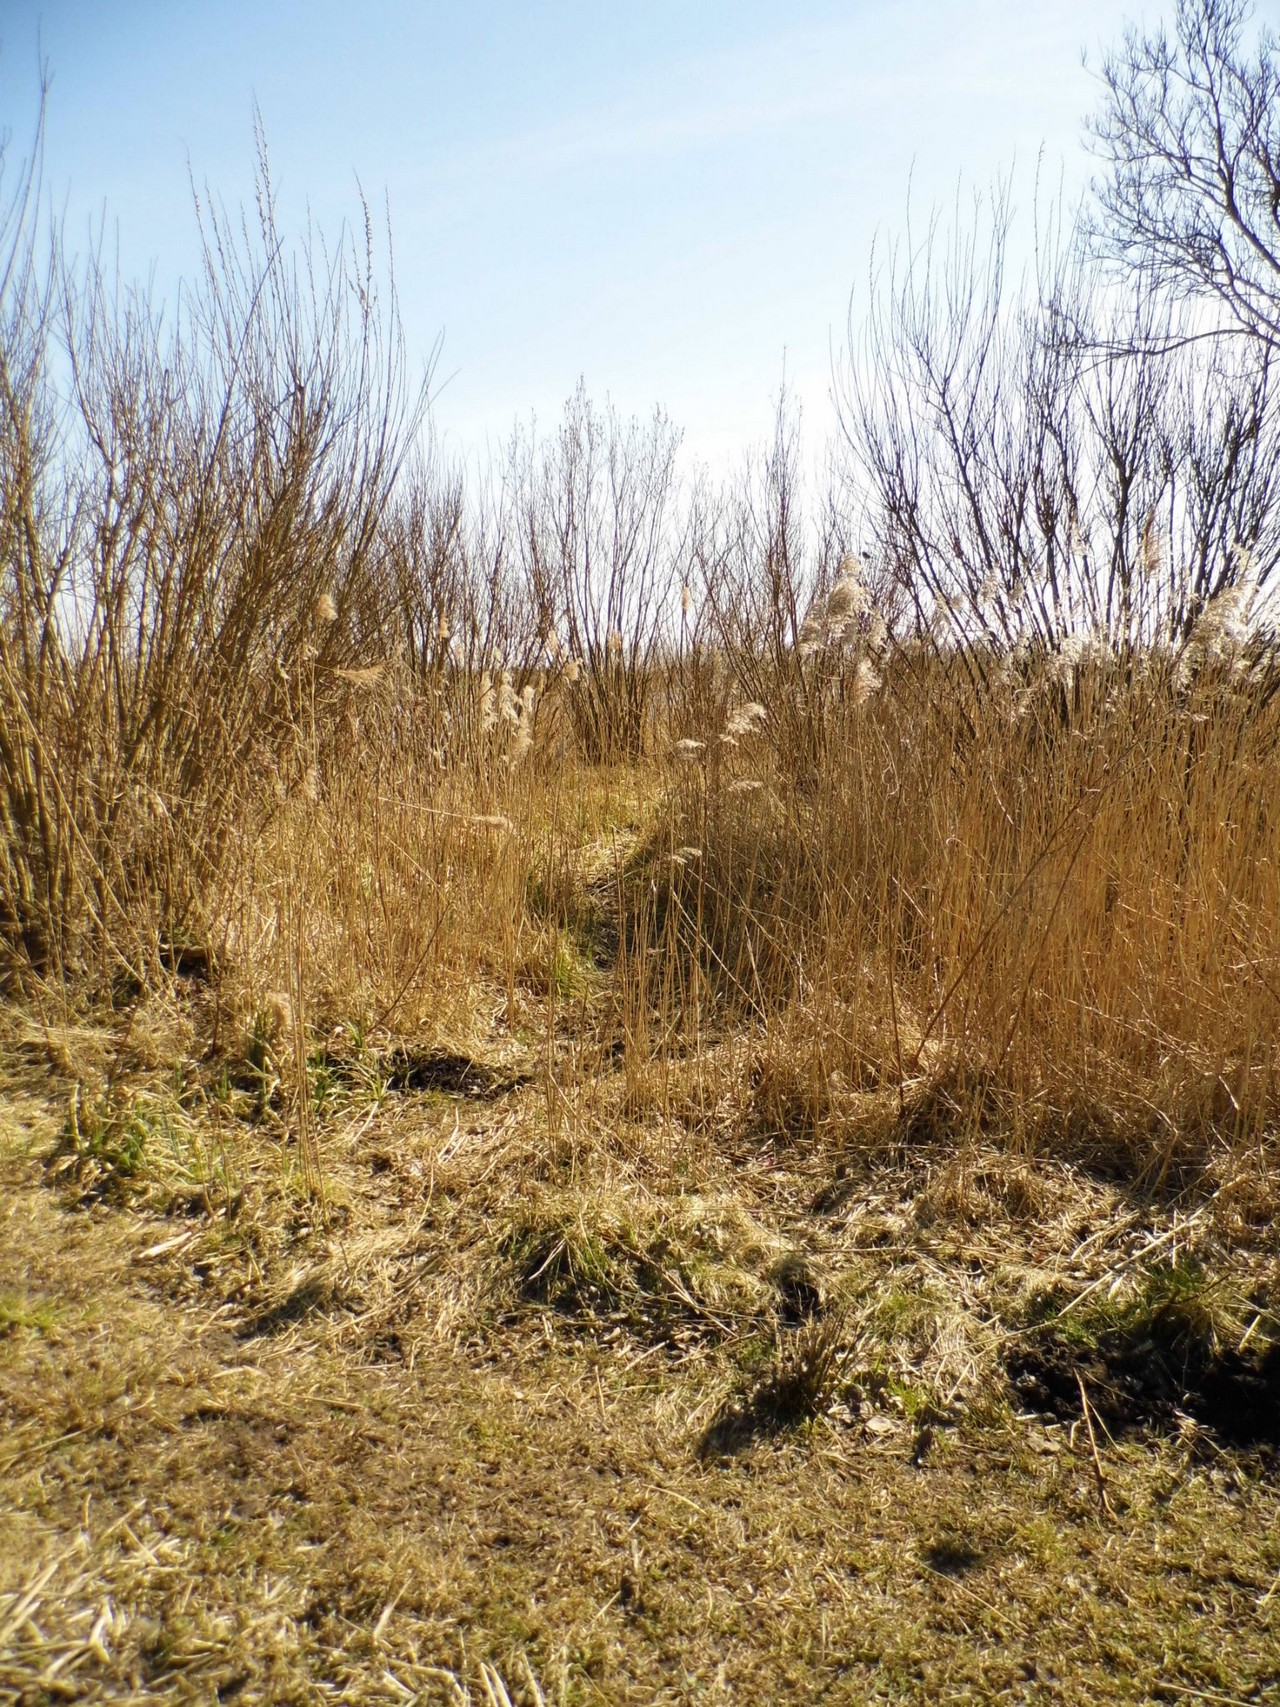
(602, 1100)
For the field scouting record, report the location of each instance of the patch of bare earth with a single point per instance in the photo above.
(515, 1422)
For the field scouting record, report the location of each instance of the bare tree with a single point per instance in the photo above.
(1189, 134)
(1043, 464)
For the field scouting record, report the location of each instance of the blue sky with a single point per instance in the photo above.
(672, 199)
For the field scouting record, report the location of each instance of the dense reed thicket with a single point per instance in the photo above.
(955, 784)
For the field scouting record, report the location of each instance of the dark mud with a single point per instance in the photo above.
(1135, 1382)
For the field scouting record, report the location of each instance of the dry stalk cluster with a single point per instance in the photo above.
(981, 819)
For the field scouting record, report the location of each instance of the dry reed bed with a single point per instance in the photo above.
(1043, 915)
(587, 921)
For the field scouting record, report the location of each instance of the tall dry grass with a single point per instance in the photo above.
(981, 826)
(1049, 910)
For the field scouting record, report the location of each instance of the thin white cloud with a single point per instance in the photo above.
(776, 84)
(855, 71)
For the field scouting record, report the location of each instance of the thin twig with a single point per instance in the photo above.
(1103, 1496)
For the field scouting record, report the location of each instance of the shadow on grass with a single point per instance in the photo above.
(1144, 1375)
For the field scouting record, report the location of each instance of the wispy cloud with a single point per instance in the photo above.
(854, 74)
(776, 84)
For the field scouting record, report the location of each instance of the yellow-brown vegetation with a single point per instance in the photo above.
(603, 1099)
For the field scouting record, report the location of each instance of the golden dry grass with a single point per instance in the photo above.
(601, 1101)
(731, 1228)
(518, 1409)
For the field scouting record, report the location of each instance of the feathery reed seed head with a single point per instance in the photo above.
(508, 700)
(866, 681)
(275, 1016)
(746, 719)
(1152, 555)
(488, 705)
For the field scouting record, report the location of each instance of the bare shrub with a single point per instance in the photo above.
(597, 521)
(189, 545)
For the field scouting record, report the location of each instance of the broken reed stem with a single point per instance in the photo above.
(308, 1146)
(1103, 1497)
